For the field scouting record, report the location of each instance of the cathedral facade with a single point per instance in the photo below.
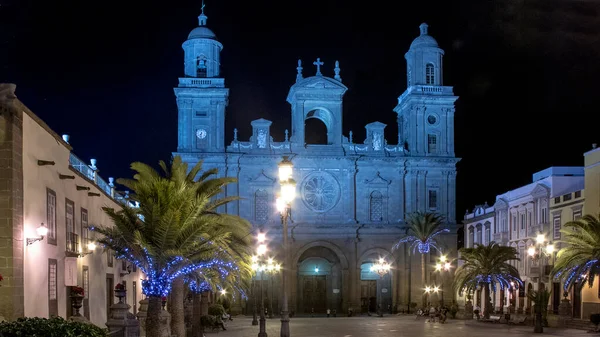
(352, 197)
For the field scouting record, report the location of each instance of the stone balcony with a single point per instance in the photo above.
(427, 90)
(193, 82)
(501, 238)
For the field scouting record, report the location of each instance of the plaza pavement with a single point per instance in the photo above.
(386, 326)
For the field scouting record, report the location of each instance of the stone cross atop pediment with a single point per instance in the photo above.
(261, 134)
(375, 136)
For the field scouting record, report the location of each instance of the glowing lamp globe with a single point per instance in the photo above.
(288, 190)
(540, 238)
(285, 169)
(550, 249)
(91, 246)
(531, 251)
(280, 204)
(42, 230)
(262, 249)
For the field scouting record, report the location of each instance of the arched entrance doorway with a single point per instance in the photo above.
(319, 281)
(375, 290)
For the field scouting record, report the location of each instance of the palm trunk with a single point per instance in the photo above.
(423, 279)
(176, 308)
(487, 304)
(197, 329)
(153, 318)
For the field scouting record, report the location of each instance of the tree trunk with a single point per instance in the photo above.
(487, 306)
(423, 280)
(153, 318)
(197, 329)
(176, 308)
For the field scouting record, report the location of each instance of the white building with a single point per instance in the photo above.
(43, 182)
(552, 199)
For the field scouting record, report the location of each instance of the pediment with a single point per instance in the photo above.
(500, 204)
(261, 122)
(262, 179)
(314, 84)
(378, 180)
(375, 125)
(540, 191)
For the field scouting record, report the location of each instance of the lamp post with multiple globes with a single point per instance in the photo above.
(261, 264)
(443, 266)
(381, 268)
(538, 252)
(284, 206)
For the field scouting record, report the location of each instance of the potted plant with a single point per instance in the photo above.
(120, 292)
(77, 294)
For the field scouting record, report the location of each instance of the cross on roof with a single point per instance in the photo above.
(318, 63)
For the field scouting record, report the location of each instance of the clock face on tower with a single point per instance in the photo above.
(201, 133)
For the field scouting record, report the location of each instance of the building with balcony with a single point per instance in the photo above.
(46, 189)
(590, 297)
(554, 197)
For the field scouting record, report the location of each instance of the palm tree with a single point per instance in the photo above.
(579, 259)
(208, 188)
(486, 266)
(423, 228)
(175, 231)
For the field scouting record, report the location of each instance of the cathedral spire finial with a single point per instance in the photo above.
(299, 68)
(423, 27)
(336, 70)
(202, 18)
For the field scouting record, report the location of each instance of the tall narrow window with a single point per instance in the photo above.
(544, 215)
(432, 199)
(201, 68)
(110, 259)
(488, 234)
(376, 207)
(85, 234)
(556, 226)
(576, 215)
(471, 242)
(429, 74)
(86, 291)
(52, 288)
(72, 238)
(522, 221)
(431, 143)
(261, 206)
(479, 235)
(51, 216)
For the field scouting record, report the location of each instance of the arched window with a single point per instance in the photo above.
(479, 235)
(471, 242)
(261, 206)
(376, 207)
(429, 74)
(488, 234)
(201, 67)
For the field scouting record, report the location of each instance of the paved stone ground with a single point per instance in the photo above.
(384, 327)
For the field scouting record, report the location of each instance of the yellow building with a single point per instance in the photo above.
(590, 297)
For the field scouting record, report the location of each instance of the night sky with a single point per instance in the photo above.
(103, 71)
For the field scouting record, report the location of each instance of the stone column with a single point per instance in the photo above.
(121, 319)
(141, 315)
(11, 205)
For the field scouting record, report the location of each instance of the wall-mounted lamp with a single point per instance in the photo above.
(91, 247)
(317, 270)
(41, 231)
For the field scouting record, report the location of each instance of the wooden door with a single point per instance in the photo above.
(110, 288)
(314, 295)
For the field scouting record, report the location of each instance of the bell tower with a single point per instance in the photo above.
(201, 95)
(426, 109)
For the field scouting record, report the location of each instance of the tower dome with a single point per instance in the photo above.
(424, 40)
(202, 32)
(202, 51)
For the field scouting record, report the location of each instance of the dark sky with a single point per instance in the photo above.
(103, 71)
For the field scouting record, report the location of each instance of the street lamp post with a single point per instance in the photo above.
(381, 268)
(258, 265)
(284, 206)
(442, 266)
(429, 290)
(537, 252)
(254, 316)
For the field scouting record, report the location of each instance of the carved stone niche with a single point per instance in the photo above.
(375, 136)
(261, 134)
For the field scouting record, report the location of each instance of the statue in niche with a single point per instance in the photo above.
(201, 69)
(261, 139)
(376, 141)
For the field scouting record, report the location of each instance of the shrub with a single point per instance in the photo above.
(207, 321)
(216, 310)
(53, 327)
